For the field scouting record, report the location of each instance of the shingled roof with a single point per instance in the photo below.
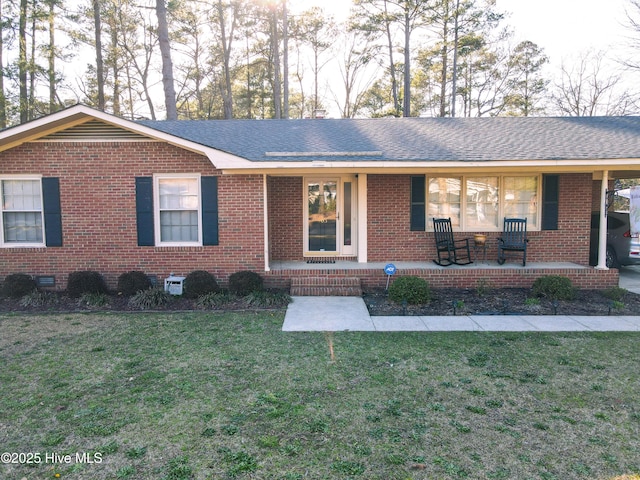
(415, 139)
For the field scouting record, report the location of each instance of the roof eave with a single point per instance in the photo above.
(592, 164)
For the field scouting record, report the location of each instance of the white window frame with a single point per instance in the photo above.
(156, 208)
(501, 201)
(3, 242)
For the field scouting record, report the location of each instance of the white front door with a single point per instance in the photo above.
(330, 216)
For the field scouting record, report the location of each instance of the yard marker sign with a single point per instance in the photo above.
(389, 269)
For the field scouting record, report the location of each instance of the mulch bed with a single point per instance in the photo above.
(504, 301)
(444, 302)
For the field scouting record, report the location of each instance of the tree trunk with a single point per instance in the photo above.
(285, 58)
(275, 52)
(22, 62)
(3, 99)
(116, 74)
(167, 65)
(52, 60)
(406, 109)
(454, 85)
(99, 61)
(227, 98)
(445, 62)
(392, 65)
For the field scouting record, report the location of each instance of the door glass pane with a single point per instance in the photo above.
(482, 202)
(322, 203)
(346, 214)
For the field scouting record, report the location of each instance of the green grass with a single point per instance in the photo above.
(216, 396)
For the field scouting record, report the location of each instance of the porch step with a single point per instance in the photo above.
(325, 287)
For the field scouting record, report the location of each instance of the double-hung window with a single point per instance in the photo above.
(479, 203)
(178, 210)
(22, 212)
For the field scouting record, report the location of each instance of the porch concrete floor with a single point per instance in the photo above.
(350, 265)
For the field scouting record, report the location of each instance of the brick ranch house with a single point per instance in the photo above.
(315, 203)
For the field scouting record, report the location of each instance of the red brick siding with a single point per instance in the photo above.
(286, 215)
(390, 238)
(97, 195)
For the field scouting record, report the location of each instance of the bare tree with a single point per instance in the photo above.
(586, 90)
(358, 54)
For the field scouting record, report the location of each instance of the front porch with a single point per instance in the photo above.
(332, 277)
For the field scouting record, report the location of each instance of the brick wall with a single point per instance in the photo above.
(97, 195)
(286, 215)
(390, 238)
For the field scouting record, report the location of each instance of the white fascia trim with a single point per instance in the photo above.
(243, 164)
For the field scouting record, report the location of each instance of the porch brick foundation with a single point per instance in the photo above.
(471, 278)
(326, 286)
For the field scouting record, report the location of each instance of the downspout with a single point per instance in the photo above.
(602, 231)
(267, 268)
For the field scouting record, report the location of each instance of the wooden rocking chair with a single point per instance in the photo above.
(449, 250)
(514, 239)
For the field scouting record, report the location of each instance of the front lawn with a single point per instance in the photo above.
(216, 396)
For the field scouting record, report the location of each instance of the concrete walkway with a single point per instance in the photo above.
(630, 278)
(337, 314)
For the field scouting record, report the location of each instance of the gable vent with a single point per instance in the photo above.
(94, 131)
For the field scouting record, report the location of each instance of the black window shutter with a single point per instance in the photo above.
(550, 201)
(144, 211)
(209, 188)
(52, 211)
(418, 212)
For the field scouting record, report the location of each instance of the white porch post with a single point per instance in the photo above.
(602, 238)
(362, 218)
(266, 222)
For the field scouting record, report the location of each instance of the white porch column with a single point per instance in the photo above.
(266, 222)
(602, 238)
(362, 218)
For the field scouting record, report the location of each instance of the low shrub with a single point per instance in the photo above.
(18, 285)
(86, 281)
(36, 298)
(214, 300)
(414, 290)
(616, 294)
(150, 299)
(91, 299)
(130, 283)
(266, 299)
(554, 287)
(199, 282)
(244, 282)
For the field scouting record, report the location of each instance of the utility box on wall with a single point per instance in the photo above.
(174, 285)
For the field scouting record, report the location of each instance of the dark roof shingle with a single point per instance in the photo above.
(416, 139)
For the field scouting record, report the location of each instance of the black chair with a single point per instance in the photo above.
(513, 239)
(449, 250)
